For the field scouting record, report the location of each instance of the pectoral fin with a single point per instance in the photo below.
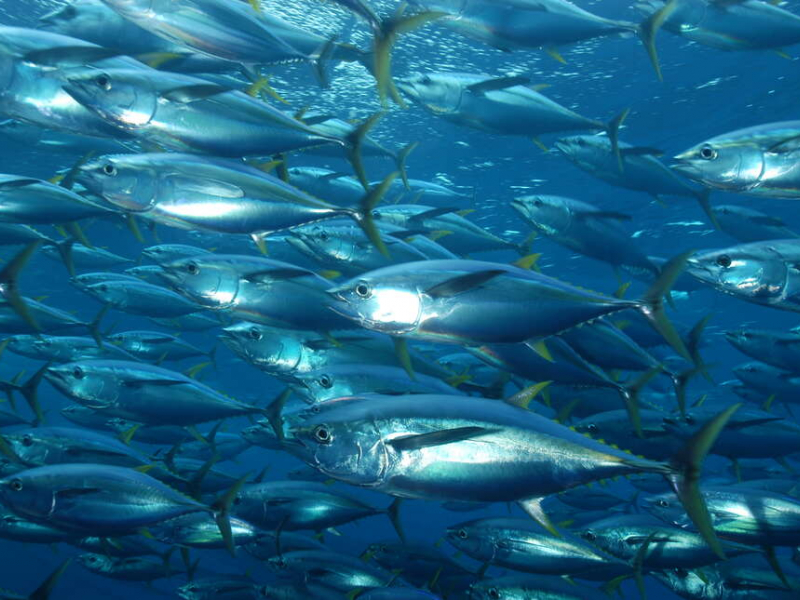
(438, 438)
(462, 283)
(192, 93)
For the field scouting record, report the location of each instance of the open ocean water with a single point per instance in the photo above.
(705, 92)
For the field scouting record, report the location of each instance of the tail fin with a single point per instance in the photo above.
(46, 587)
(652, 303)
(355, 141)
(64, 248)
(319, 60)
(94, 326)
(385, 38)
(648, 29)
(393, 512)
(695, 337)
(9, 284)
(222, 509)
(685, 478)
(274, 413)
(703, 199)
(630, 394)
(612, 128)
(402, 155)
(212, 357)
(363, 215)
(30, 391)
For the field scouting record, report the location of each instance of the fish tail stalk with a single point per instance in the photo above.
(222, 508)
(685, 476)
(363, 215)
(385, 37)
(649, 28)
(651, 304)
(401, 162)
(612, 128)
(9, 287)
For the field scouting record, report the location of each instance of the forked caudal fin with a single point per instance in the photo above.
(651, 304)
(363, 215)
(222, 509)
(612, 129)
(9, 288)
(685, 476)
(647, 33)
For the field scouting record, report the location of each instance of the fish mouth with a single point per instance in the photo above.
(405, 86)
(562, 146)
(686, 169)
(696, 269)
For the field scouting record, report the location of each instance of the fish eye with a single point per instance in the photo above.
(255, 334)
(426, 80)
(592, 428)
(682, 573)
(109, 169)
(192, 268)
(708, 153)
(493, 593)
(78, 373)
(538, 202)
(462, 533)
(689, 419)
(16, 485)
(363, 290)
(191, 588)
(326, 381)
(103, 82)
(376, 214)
(322, 434)
(724, 261)
(102, 287)
(280, 563)
(92, 559)
(323, 235)
(662, 503)
(27, 440)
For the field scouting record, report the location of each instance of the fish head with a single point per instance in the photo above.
(756, 372)
(107, 292)
(339, 445)
(548, 214)
(75, 18)
(755, 272)
(491, 589)
(733, 165)
(86, 382)
(126, 186)
(745, 338)
(23, 344)
(666, 508)
(96, 562)
(380, 301)
(214, 284)
(320, 241)
(439, 92)
(270, 349)
(320, 385)
(470, 540)
(29, 446)
(29, 493)
(689, 584)
(590, 152)
(125, 98)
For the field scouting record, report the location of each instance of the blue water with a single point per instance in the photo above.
(705, 92)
